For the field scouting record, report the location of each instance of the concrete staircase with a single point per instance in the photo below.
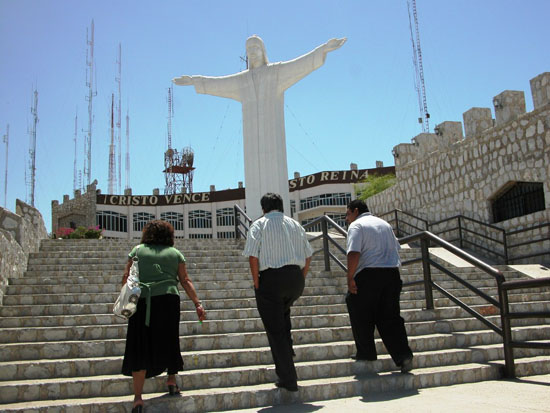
(61, 348)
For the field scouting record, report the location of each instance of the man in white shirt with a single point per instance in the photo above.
(374, 286)
(279, 255)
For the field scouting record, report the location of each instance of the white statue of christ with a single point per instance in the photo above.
(260, 89)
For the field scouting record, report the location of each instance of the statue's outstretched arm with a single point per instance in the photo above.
(223, 86)
(292, 71)
(334, 44)
(184, 80)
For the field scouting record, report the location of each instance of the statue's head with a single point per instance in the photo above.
(255, 50)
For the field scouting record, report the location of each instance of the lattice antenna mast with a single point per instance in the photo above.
(119, 119)
(89, 98)
(32, 146)
(170, 116)
(127, 149)
(75, 139)
(6, 140)
(424, 118)
(112, 164)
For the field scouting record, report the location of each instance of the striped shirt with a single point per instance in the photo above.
(277, 240)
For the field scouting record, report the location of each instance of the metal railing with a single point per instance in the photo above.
(403, 227)
(507, 316)
(467, 232)
(530, 240)
(426, 239)
(325, 236)
(242, 222)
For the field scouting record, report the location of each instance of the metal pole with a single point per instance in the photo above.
(397, 232)
(237, 233)
(505, 243)
(324, 227)
(460, 232)
(6, 141)
(509, 366)
(427, 274)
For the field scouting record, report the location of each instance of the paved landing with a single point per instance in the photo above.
(528, 394)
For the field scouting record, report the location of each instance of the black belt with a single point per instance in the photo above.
(284, 267)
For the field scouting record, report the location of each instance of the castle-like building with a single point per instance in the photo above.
(207, 214)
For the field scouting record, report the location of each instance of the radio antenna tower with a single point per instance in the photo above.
(178, 167)
(127, 149)
(75, 139)
(89, 98)
(6, 140)
(32, 146)
(424, 118)
(112, 164)
(170, 116)
(119, 119)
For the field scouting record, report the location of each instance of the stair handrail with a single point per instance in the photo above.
(238, 212)
(530, 241)
(399, 231)
(393, 217)
(462, 230)
(506, 317)
(325, 221)
(502, 304)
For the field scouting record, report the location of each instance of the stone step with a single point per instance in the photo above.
(102, 277)
(413, 293)
(109, 318)
(117, 385)
(417, 323)
(105, 317)
(217, 359)
(233, 398)
(232, 304)
(119, 266)
(199, 339)
(83, 288)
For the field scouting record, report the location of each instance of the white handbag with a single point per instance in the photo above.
(126, 303)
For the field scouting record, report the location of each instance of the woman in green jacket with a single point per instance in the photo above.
(152, 339)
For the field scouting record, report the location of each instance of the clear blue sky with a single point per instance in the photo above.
(355, 108)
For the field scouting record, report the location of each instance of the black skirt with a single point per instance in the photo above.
(155, 348)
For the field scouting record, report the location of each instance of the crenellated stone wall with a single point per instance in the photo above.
(20, 234)
(443, 174)
(79, 211)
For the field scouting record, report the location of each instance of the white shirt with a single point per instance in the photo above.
(277, 240)
(374, 239)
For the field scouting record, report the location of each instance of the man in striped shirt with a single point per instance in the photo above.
(279, 255)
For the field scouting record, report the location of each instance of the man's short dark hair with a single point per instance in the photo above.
(272, 202)
(358, 204)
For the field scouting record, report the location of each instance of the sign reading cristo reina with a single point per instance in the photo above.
(308, 181)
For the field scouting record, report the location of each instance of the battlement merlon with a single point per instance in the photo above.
(540, 90)
(477, 120)
(509, 105)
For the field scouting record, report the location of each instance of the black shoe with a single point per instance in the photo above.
(173, 389)
(287, 386)
(137, 409)
(407, 365)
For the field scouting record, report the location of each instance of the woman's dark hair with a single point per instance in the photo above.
(158, 232)
(272, 202)
(358, 204)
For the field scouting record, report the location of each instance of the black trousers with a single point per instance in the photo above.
(377, 304)
(279, 288)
